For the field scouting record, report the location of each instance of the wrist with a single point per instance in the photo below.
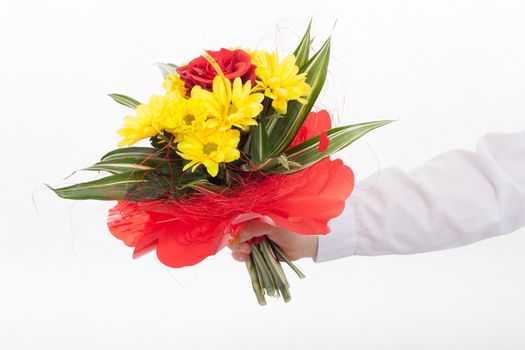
(312, 247)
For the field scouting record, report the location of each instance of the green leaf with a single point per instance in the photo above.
(283, 161)
(302, 51)
(307, 153)
(125, 160)
(114, 187)
(124, 165)
(206, 187)
(167, 68)
(132, 152)
(281, 132)
(170, 182)
(137, 185)
(125, 100)
(139, 174)
(274, 116)
(259, 144)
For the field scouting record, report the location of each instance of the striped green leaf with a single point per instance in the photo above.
(206, 187)
(307, 153)
(133, 152)
(114, 187)
(129, 159)
(138, 185)
(302, 51)
(167, 68)
(259, 143)
(124, 165)
(138, 174)
(125, 100)
(281, 132)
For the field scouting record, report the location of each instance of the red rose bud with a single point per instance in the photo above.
(233, 63)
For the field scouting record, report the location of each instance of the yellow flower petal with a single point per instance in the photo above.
(209, 147)
(279, 81)
(231, 105)
(148, 121)
(174, 84)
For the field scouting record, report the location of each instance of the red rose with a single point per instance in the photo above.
(233, 63)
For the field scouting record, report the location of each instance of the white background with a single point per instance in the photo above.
(450, 70)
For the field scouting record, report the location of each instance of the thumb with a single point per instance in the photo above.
(255, 228)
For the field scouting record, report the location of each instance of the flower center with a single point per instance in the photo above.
(232, 109)
(208, 148)
(188, 119)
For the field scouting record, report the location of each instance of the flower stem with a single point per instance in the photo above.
(283, 257)
(256, 284)
(266, 272)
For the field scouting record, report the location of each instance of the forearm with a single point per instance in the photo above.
(451, 200)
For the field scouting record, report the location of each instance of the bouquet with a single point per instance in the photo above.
(232, 139)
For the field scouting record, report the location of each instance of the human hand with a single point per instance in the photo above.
(294, 246)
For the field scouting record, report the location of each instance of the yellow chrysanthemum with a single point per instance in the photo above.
(230, 105)
(209, 147)
(148, 121)
(174, 85)
(184, 115)
(279, 81)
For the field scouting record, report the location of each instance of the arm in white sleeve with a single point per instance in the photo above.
(454, 199)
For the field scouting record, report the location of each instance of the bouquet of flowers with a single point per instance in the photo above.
(232, 139)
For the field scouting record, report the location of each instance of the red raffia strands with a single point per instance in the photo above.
(187, 231)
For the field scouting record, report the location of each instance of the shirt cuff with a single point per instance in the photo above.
(341, 241)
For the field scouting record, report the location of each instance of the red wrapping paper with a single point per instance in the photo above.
(187, 231)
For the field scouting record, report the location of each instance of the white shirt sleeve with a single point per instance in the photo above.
(456, 198)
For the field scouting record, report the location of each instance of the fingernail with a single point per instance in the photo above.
(246, 248)
(240, 257)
